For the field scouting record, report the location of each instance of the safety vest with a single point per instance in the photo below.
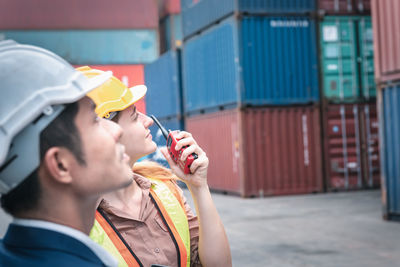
(171, 207)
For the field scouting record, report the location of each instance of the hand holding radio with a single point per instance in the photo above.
(185, 157)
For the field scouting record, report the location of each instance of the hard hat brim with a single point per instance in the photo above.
(138, 92)
(97, 81)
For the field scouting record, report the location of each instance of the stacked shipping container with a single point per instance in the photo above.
(348, 92)
(83, 32)
(387, 75)
(163, 76)
(164, 96)
(250, 76)
(99, 34)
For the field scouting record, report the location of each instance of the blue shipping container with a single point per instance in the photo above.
(198, 14)
(163, 80)
(158, 138)
(390, 150)
(252, 61)
(94, 47)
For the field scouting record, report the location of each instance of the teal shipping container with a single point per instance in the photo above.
(94, 47)
(252, 61)
(389, 103)
(347, 58)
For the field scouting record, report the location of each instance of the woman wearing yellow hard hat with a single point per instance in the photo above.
(150, 222)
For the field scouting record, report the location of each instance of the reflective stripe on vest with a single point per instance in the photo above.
(174, 209)
(103, 234)
(170, 204)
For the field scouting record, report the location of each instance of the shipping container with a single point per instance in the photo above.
(347, 58)
(78, 14)
(169, 7)
(370, 145)
(351, 147)
(262, 151)
(130, 75)
(386, 24)
(170, 124)
(389, 103)
(252, 61)
(163, 79)
(366, 58)
(93, 47)
(198, 14)
(170, 33)
(334, 7)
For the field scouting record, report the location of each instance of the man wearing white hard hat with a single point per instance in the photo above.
(57, 157)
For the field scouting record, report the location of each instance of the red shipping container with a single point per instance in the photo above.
(370, 147)
(130, 75)
(351, 147)
(344, 6)
(386, 27)
(78, 14)
(169, 7)
(262, 151)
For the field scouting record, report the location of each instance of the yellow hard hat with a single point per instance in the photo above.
(112, 95)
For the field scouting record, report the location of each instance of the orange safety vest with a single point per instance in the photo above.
(118, 247)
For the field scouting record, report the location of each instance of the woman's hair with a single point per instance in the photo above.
(152, 169)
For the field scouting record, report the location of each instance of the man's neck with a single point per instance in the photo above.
(75, 214)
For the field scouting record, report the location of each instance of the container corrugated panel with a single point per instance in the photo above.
(170, 32)
(93, 47)
(78, 14)
(344, 6)
(343, 147)
(273, 62)
(339, 58)
(390, 151)
(282, 151)
(198, 14)
(130, 75)
(279, 60)
(164, 95)
(386, 23)
(366, 55)
(211, 69)
(263, 151)
(170, 124)
(218, 135)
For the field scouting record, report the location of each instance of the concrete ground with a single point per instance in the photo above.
(335, 229)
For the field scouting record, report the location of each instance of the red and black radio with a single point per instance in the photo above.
(171, 143)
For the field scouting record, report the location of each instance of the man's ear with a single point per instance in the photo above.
(57, 161)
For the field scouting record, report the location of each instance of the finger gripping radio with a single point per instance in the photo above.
(175, 154)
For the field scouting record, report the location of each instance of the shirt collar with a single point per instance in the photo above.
(100, 252)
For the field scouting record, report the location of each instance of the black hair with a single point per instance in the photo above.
(61, 132)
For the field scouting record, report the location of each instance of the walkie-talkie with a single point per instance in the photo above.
(171, 143)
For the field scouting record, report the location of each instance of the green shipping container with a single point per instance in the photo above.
(366, 45)
(347, 58)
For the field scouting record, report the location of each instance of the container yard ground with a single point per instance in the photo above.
(335, 229)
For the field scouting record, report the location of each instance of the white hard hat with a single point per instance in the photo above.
(35, 83)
